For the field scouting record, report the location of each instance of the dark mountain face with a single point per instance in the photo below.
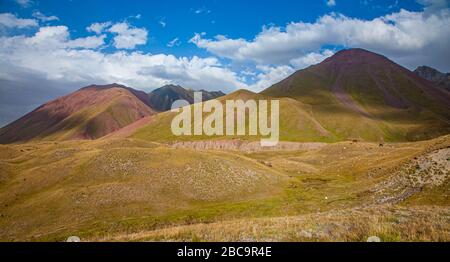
(433, 75)
(162, 98)
(91, 112)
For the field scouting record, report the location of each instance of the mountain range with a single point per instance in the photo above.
(93, 112)
(102, 163)
(162, 98)
(354, 94)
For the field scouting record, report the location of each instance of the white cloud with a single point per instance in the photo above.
(406, 36)
(128, 37)
(98, 28)
(89, 42)
(221, 46)
(270, 76)
(174, 42)
(331, 3)
(54, 38)
(433, 6)
(43, 17)
(310, 59)
(24, 3)
(74, 62)
(11, 21)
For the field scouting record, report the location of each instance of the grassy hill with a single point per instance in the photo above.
(296, 123)
(115, 188)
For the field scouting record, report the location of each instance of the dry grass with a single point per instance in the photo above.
(390, 223)
(115, 188)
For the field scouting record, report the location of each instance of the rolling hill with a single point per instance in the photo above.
(131, 189)
(88, 113)
(296, 123)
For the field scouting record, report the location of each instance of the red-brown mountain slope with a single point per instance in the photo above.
(89, 113)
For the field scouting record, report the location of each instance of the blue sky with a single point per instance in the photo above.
(51, 47)
(181, 19)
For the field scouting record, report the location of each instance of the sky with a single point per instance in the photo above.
(49, 48)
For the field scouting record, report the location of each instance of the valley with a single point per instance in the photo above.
(129, 189)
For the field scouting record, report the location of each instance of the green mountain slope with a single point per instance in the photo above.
(357, 94)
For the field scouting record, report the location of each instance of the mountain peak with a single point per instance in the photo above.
(356, 56)
(106, 86)
(435, 76)
(171, 86)
(139, 94)
(425, 71)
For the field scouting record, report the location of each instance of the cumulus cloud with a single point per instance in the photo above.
(128, 37)
(43, 17)
(11, 21)
(98, 28)
(410, 37)
(269, 76)
(78, 61)
(331, 3)
(53, 38)
(310, 59)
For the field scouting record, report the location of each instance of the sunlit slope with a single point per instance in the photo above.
(88, 113)
(91, 187)
(356, 94)
(297, 123)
